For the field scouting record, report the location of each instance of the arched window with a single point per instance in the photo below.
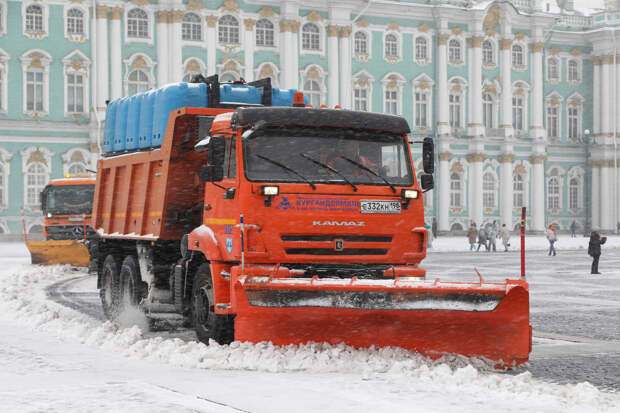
(312, 90)
(391, 45)
(228, 30)
(76, 169)
(264, 33)
(34, 18)
(573, 193)
(137, 24)
(456, 190)
(138, 81)
(228, 77)
(517, 55)
(487, 110)
(310, 38)
(36, 178)
(454, 51)
(553, 193)
(75, 21)
(421, 48)
(191, 27)
(518, 191)
(573, 71)
(487, 53)
(553, 70)
(489, 190)
(361, 43)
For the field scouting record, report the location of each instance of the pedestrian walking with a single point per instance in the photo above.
(594, 249)
(472, 233)
(552, 237)
(573, 229)
(492, 234)
(434, 228)
(505, 234)
(482, 238)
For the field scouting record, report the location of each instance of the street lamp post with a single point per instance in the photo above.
(588, 184)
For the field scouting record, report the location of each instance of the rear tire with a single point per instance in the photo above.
(132, 288)
(207, 324)
(109, 291)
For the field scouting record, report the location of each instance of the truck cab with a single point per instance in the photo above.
(67, 207)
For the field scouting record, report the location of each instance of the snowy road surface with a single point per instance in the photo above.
(60, 356)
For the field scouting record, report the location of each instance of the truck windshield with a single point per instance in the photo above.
(322, 155)
(70, 199)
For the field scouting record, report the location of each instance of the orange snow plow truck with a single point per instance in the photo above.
(271, 221)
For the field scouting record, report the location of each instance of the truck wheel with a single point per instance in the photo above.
(207, 324)
(132, 288)
(109, 291)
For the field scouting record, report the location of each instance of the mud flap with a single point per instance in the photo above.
(59, 252)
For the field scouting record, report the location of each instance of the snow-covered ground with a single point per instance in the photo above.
(53, 358)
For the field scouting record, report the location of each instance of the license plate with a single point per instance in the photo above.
(76, 219)
(380, 207)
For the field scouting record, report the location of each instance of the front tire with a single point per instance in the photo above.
(207, 323)
(109, 291)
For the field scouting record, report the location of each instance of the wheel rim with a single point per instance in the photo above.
(203, 308)
(107, 288)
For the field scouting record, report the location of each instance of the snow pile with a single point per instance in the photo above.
(22, 297)
(532, 243)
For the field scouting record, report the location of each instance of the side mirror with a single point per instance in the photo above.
(216, 150)
(211, 173)
(202, 145)
(44, 200)
(428, 155)
(427, 181)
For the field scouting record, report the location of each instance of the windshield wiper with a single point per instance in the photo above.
(326, 166)
(286, 168)
(364, 167)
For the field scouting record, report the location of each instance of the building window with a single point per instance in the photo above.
(391, 46)
(360, 98)
(137, 24)
(573, 193)
(2, 88)
(487, 53)
(455, 111)
(573, 123)
(228, 77)
(518, 191)
(421, 109)
(34, 18)
(391, 101)
(487, 110)
(310, 37)
(75, 93)
(36, 179)
(228, 30)
(455, 190)
(517, 113)
(489, 190)
(454, 51)
(312, 90)
(76, 169)
(553, 121)
(517, 55)
(553, 70)
(553, 193)
(75, 21)
(34, 91)
(191, 27)
(421, 48)
(264, 33)
(361, 44)
(573, 71)
(138, 81)
(3, 182)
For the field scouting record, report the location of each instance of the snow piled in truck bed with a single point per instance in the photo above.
(22, 297)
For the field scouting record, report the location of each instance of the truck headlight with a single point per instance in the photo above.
(410, 194)
(49, 214)
(270, 190)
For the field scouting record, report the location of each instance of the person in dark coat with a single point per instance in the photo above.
(594, 249)
(482, 238)
(434, 227)
(573, 229)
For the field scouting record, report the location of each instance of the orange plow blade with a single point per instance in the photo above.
(59, 252)
(430, 317)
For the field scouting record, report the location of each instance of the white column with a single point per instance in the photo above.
(605, 197)
(116, 64)
(162, 47)
(605, 95)
(286, 53)
(505, 72)
(595, 201)
(475, 117)
(506, 202)
(295, 60)
(211, 45)
(444, 191)
(596, 99)
(536, 123)
(249, 49)
(102, 57)
(538, 192)
(475, 160)
(175, 48)
(333, 61)
(345, 67)
(443, 126)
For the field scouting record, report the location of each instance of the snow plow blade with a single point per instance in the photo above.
(59, 252)
(433, 318)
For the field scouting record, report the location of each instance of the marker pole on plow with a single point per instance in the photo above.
(523, 243)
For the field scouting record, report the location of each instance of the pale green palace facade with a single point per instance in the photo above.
(520, 96)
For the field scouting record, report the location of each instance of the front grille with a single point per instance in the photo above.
(349, 238)
(328, 251)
